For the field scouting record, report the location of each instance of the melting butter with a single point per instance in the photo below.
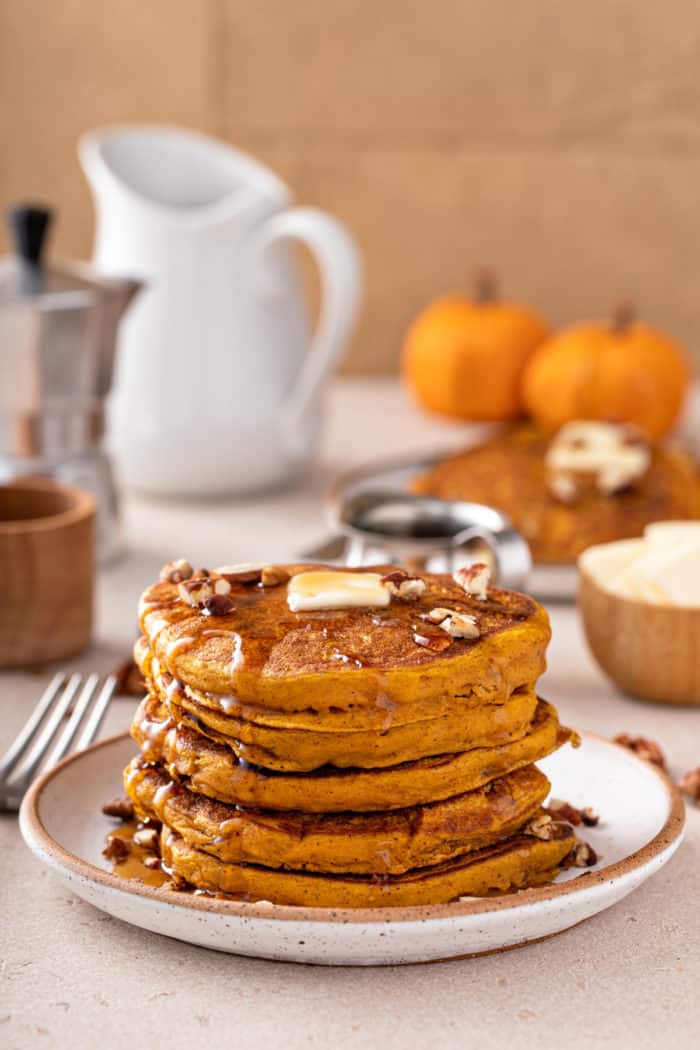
(327, 589)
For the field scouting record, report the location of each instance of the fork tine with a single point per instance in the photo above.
(98, 712)
(43, 742)
(71, 727)
(24, 738)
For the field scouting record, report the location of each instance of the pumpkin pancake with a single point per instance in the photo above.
(213, 769)
(509, 472)
(509, 865)
(262, 653)
(365, 844)
(378, 717)
(291, 750)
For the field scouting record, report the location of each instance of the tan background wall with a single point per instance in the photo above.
(556, 140)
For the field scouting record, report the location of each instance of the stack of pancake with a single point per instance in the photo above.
(345, 756)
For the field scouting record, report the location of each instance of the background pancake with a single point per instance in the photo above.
(509, 472)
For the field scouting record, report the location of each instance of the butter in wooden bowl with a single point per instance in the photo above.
(640, 605)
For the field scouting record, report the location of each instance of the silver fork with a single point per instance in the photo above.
(62, 718)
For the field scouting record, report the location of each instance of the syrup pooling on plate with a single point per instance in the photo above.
(128, 861)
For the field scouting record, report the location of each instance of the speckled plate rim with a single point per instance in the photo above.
(43, 844)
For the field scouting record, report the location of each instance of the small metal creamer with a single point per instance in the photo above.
(431, 535)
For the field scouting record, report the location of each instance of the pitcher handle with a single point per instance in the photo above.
(338, 260)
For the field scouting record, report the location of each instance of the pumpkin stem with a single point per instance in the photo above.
(485, 286)
(623, 316)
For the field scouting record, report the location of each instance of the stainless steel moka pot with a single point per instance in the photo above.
(58, 328)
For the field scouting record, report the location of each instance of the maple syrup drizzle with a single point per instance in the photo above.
(388, 706)
(179, 646)
(154, 732)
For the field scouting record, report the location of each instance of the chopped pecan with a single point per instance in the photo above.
(583, 856)
(649, 750)
(572, 814)
(146, 837)
(218, 605)
(403, 586)
(176, 571)
(456, 624)
(242, 574)
(542, 827)
(198, 591)
(474, 579)
(121, 808)
(116, 849)
(130, 681)
(690, 784)
(151, 862)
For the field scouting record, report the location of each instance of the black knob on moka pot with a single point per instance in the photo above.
(29, 225)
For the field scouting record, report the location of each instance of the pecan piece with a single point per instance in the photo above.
(649, 750)
(241, 574)
(218, 605)
(456, 624)
(474, 579)
(121, 808)
(146, 837)
(541, 827)
(572, 814)
(690, 784)
(198, 591)
(116, 849)
(582, 856)
(176, 571)
(403, 586)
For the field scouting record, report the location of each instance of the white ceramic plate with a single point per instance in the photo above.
(641, 827)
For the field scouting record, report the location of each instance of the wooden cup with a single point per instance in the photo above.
(47, 568)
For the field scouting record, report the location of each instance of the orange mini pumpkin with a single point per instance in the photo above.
(465, 357)
(623, 371)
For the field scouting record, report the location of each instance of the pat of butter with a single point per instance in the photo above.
(664, 534)
(666, 572)
(325, 589)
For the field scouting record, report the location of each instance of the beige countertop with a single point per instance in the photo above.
(71, 976)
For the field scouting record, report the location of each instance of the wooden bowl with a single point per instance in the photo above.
(47, 567)
(650, 651)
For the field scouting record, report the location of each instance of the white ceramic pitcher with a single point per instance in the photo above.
(218, 381)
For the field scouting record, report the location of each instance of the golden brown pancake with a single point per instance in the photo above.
(263, 654)
(213, 769)
(508, 472)
(365, 844)
(379, 716)
(302, 750)
(509, 865)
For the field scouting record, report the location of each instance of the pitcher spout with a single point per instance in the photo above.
(175, 173)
